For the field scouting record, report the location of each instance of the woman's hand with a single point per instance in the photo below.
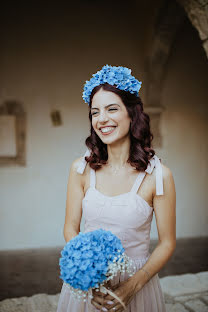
(124, 290)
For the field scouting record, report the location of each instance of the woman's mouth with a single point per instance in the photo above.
(107, 130)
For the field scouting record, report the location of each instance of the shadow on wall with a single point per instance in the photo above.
(33, 271)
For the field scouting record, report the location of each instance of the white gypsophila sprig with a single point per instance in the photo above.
(121, 264)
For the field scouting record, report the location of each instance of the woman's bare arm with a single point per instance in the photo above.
(165, 212)
(75, 194)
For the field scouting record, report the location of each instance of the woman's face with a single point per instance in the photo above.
(110, 118)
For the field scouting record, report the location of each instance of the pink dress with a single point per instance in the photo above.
(129, 217)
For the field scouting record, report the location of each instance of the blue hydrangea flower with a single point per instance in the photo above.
(86, 257)
(114, 75)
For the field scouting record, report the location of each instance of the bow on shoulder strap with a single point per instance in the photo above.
(154, 162)
(83, 163)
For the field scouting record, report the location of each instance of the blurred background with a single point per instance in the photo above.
(48, 51)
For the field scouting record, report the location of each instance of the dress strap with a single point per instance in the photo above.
(138, 182)
(82, 164)
(92, 178)
(154, 162)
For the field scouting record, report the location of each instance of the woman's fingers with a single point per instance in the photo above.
(96, 305)
(107, 307)
(111, 303)
(98, 293)
(110, 307)
(100, 301)
(107, 302)
(117, 306)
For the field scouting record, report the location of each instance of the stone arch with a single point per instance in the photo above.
(197, 12)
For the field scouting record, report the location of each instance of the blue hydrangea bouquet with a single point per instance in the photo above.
(91, 259)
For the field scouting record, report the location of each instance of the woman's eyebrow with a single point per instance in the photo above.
(105, 106)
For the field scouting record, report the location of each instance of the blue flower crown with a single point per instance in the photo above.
(114, 75)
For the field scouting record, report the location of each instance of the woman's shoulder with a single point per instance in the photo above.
(168, 181)
(76, 163)
(161, 175)
(76, 175)
(167, 174)
(79, 167)
(166, 171)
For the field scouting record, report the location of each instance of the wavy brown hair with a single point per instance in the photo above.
(140, 135)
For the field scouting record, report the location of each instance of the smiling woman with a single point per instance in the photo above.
(117, 186)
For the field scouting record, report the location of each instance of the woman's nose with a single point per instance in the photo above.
(103, 116)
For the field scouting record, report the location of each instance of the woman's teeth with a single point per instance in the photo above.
(107, 129)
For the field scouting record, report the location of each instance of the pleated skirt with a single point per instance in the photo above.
(149, 299)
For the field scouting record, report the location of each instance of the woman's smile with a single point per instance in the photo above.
(107, 130)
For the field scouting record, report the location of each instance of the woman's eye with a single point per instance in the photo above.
(110, 109)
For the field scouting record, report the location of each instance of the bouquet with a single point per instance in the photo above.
(91, 259)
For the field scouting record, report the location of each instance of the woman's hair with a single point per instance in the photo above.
(140, 135)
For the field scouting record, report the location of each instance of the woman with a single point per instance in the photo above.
(117, 185)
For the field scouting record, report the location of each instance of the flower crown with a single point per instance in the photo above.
(114, 75)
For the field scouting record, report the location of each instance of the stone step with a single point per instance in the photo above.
(182, 293)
